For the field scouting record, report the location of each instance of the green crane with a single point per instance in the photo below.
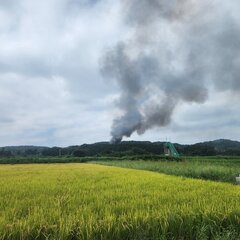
(170, 150)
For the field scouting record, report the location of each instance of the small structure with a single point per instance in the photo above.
(170, 150)
(238, 180)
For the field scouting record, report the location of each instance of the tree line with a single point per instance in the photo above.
(126, 148)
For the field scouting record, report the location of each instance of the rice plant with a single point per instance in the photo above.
(88, 201)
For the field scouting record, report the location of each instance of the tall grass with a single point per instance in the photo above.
(216, 169)
(71, 159)
(87, 201)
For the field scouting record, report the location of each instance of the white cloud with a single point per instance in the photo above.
(50, 86)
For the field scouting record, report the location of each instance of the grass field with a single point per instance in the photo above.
(223, 169)
(88, 201)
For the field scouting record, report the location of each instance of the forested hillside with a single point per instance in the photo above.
(217, 147)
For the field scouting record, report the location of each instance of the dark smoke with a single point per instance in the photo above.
(179, 50)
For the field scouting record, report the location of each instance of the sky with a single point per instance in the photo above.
(52, 88)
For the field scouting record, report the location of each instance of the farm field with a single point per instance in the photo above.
(223, 169)
(89, 201)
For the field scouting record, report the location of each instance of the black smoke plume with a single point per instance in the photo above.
(179, 49)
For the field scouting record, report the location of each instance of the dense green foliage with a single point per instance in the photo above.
(25, 160)
(87, 201)
(130, 148)
(70, 159)
(223, 169)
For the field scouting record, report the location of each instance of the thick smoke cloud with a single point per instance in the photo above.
(178, 51)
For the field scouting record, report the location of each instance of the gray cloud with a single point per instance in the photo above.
(52, 92)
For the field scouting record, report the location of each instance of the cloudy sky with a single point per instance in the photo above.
(53, 92)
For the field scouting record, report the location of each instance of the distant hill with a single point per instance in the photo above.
(210, 148)
(224, 145)
(217, 147)
(24, 149)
